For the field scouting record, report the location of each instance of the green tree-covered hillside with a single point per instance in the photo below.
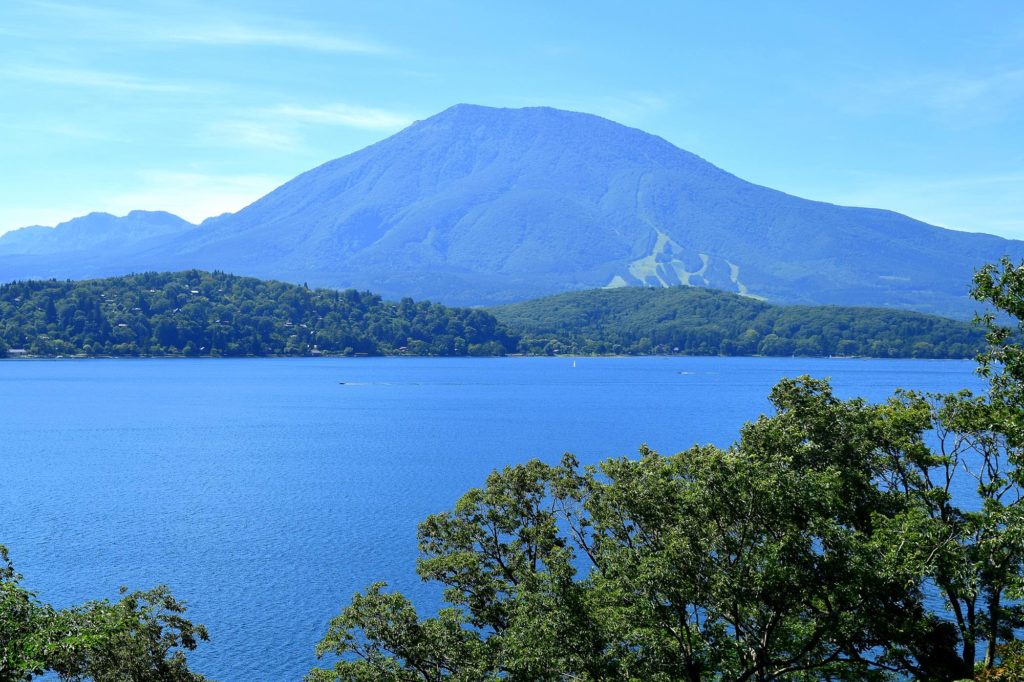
(196, 313)
(200, 313)
(700, 321)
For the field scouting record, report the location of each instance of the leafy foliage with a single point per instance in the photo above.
(758, 562)
(198, 313)
(142, 637)
(699, 321)
(804, 551)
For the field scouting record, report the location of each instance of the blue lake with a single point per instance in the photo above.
(266, 491)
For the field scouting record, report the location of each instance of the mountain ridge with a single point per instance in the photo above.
(478, 205)
(92, 230)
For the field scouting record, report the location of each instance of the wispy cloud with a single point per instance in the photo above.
(285, 127)
(296, 38)
(208, 26)
(958, 91)
(87, 78)
(251, 134)
(194, 196)
(948, 94)
(57, 128)
(344, 115)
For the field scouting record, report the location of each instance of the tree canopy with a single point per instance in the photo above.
(196, 313)
(809, 549)
(698, 321)
(142, 637)
(216, 314)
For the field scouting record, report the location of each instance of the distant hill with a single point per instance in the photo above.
(198, 313)
(92, 232)
(705, 322)
(483, 206)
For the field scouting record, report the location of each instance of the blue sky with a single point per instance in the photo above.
(201, 107)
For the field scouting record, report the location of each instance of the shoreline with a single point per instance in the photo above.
(338, 356)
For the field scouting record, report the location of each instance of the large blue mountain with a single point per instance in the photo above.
(480, 206)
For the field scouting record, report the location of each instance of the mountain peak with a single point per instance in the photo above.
(538, 116)
(480, 205)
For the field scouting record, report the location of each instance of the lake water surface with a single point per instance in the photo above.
(266, 491)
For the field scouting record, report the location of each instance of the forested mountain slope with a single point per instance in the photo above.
(701, 321)
(200, 313)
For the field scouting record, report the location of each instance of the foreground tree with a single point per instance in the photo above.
(140, 638)
(752, 563)
(977, 560)
(803, 552)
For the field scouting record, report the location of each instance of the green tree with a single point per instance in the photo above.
(802, 552)
(23, 625)
(749, 563)
(973, 549)
(142, 637)
(158, 313)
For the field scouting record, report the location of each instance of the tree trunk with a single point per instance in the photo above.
(970, 635)
(993, 630)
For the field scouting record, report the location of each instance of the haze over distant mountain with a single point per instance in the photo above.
(96, 230)
(480, 206)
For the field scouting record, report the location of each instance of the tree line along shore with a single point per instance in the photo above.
(213, 314)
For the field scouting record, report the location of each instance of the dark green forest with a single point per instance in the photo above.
(698, 321)
(198, 313)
